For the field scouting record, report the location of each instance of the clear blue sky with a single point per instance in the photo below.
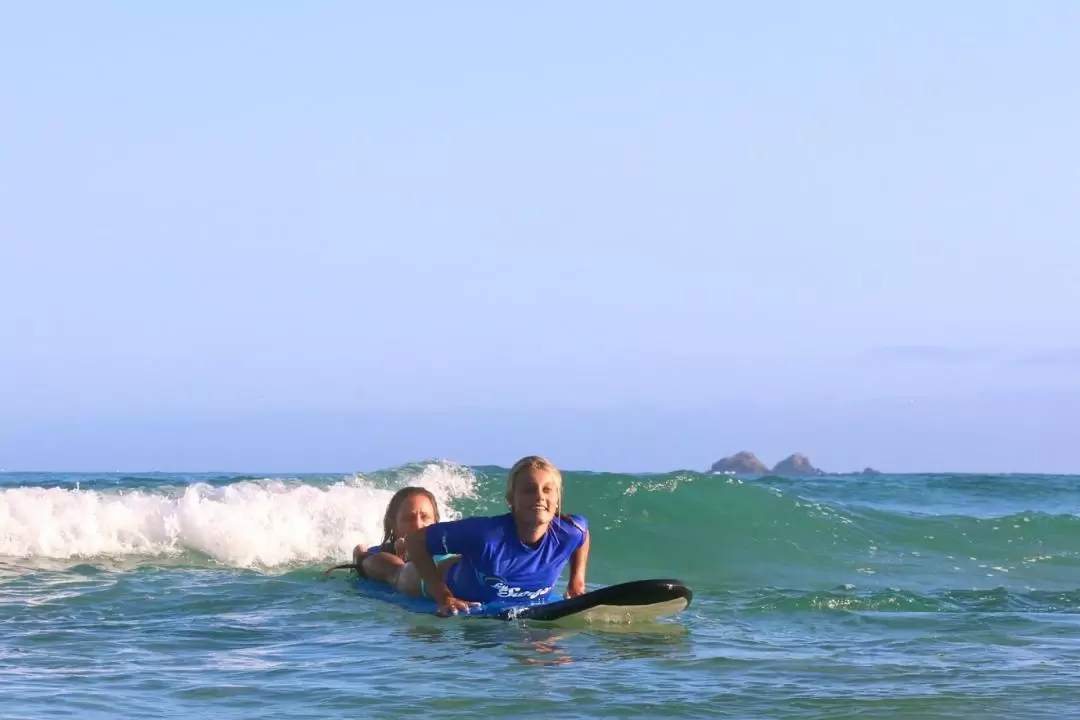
(280, 235)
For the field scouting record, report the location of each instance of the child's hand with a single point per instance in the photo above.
(575, 588)
(450, 605)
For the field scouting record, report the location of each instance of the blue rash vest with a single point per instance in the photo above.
(495, 564)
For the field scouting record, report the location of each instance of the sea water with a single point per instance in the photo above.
(180, 595)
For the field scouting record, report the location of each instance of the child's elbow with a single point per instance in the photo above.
(416, 540)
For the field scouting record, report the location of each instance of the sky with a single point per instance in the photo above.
(273, 236)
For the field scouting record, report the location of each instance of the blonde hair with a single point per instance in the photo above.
(532, 462)
(535, 462)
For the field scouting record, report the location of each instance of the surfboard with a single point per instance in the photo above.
(629, 602)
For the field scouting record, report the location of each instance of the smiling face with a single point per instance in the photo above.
(415, 512)
(534, 497)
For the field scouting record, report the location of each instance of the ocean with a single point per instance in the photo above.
(202, 595)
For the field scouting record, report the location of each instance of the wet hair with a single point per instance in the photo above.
(536, 462)
(392, 507)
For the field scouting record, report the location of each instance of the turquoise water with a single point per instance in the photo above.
(203, 596)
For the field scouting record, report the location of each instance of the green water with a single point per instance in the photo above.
(202, 596)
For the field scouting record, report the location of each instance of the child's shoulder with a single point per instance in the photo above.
(571, 522)
(480, 523)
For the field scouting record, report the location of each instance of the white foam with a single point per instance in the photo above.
(264, 523)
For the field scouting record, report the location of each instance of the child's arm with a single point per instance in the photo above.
(416, 546)
(578, 561)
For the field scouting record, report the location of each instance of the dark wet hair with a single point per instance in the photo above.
(392, 507)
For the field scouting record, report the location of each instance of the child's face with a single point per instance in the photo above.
(535, 497)
(414, 513)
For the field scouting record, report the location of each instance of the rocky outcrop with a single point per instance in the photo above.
(743, 463)
(796, 464)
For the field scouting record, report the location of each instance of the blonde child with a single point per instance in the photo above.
(519, 555)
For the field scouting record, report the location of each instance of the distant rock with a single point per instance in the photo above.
(796, 465)
(870, 471)
(743, 463)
